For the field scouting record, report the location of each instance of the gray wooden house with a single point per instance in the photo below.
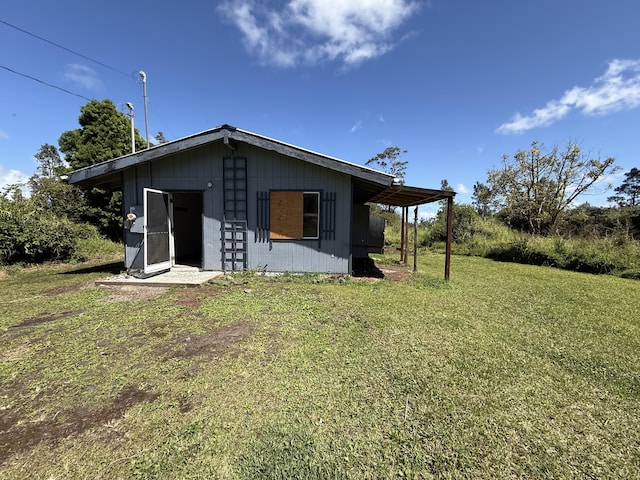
(228, 199)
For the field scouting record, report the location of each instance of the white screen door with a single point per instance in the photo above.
(157, 231)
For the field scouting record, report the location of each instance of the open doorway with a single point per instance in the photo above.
(187, 228)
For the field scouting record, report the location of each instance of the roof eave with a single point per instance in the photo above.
(106, 170)
(93, 172)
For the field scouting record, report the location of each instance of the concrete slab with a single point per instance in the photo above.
(177, 276)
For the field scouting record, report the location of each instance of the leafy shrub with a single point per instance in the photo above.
(95, 246)
(604, 256)
(465, 219)
(631, 274)
(31, 234)
(586, 221)
(616, 252)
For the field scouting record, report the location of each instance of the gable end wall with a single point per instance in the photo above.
(192, 170)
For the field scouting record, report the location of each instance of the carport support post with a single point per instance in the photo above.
(402, 236)
(447, 261)
(406, 236)
(415, 239)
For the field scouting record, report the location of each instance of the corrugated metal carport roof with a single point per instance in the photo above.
(405, 196)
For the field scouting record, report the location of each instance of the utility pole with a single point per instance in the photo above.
(143, 76)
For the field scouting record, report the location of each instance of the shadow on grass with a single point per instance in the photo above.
(112, 268)
(365, 267)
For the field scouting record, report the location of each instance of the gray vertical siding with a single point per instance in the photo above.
(272, 171)
(191, 171)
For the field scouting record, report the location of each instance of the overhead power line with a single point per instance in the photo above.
(131, 76)
(67, 49)
(44, 83)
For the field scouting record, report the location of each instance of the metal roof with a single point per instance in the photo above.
(405, 196)
(369, 185)
(108, 173)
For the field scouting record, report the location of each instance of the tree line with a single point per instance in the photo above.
(532, 191)
(536, 190)
(41, 219)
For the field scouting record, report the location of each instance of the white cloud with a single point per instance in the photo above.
(4, 135)
(82, 75)
(356, 126)
(428, 213)
(618, 89)
(462, 188)
(10, 177)
(316, 31)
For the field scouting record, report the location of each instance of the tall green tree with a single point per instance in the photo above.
(50, 163)
(104, 134)
(483, 199)
(160, 138)
(50, 192)
(444, 185)
(464, 218)
(535, 186)
(389, 162)
(628, 193)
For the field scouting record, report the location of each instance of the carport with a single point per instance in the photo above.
(405, 197)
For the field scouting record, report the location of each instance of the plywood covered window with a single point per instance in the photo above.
(294, 215)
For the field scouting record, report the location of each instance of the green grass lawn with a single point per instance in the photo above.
(508, 371)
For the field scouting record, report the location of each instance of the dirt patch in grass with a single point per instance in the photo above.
(17, 353)
(32, 322)
(19, 436)
(366, 269)
(193, 297)
(221, 341)
(52, 292)
(132, 293)
(184, 403)
(396, 273)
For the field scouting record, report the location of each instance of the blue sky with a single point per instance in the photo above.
(457, 83)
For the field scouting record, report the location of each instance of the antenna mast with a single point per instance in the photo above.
(133, 131)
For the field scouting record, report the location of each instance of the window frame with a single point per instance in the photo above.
(284, 224)
(306, 215)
